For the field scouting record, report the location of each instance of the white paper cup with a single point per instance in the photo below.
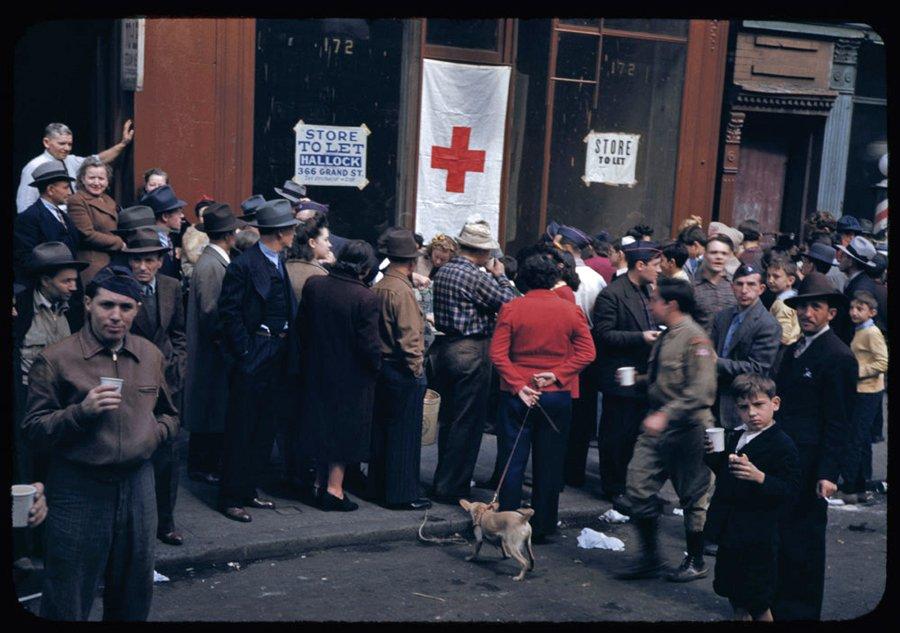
(625, 376)
(118, 382)
(22, 500)
(717, 437)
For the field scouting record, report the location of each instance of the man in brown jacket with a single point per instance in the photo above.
(100, 436)
(393, 477)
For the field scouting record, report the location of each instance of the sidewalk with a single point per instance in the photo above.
(294, 526)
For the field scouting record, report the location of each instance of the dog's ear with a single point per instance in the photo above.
(465, 504)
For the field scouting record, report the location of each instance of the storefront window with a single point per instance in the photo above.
(576, 57)
(678, 28)
(480, 34)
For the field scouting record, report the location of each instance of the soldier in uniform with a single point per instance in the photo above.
(681, 380)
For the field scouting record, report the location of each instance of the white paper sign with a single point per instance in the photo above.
(330, 155)
(611, 158)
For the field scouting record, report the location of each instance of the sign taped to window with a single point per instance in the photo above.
(611, 158)
(330, 155)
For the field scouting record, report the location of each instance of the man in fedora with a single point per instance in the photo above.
(249, 207)
(45, 220)
(466, 302)
(821, 257)
(160, 319)
(167, 208)
(848, 227)
(393, 477)
(256, 310)
(206, 382)
(130, 219)
(817, 384)
(857, 261)
(292, 192)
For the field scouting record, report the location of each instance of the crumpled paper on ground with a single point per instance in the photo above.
(611, 516)
(591, 539)
(678, 512)
(158, 577)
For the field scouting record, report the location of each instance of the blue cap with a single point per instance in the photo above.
(577, 237)
(848, 224)
(641, 251)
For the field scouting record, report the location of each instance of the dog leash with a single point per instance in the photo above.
(456, 538)
(516, 443)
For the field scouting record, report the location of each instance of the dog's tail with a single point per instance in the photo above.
(526, 513)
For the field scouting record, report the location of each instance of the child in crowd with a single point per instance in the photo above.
(674, 256)
(870, 350)
(757, 476)
(781, 275)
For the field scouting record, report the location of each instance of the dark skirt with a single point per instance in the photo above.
(747, 576)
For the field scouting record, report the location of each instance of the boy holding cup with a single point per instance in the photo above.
(756, 475)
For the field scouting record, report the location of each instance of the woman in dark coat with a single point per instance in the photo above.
(340, 359)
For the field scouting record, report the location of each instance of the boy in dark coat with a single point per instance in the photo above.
(757, 474)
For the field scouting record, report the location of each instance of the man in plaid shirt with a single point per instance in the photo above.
(466, 301)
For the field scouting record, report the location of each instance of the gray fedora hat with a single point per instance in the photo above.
(398, 242)
(250, 205)
(135, 217)
(477, 235)
(53, 256)
(218, 218)
(821, 252)
(274, 214)
(291, 191)
(860, 249)
(49, 172)
(144, 240)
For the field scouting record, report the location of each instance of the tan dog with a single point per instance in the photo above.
(511, 529)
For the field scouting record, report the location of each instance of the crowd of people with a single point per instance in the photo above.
(262, 329)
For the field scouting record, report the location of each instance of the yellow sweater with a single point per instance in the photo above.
(871, 353)
(787, 319)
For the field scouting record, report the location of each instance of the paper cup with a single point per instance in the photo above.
(118, 382)
(625, 376)
(717, 437)
(22, 500)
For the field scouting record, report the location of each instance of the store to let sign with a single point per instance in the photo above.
(330, 155)
(611, 158)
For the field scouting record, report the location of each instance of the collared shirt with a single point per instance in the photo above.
(806, 341)
(865, 324)
(787, 294)
(221, 251)
(466, 299)
(151, 285)
(621, 271)
(711, 297)
(54, 210)
(748, 436)
(271, 255)
(27, 195)
(48, 326)
(591, 284)
(402, 325)
(691, 265)
(164, 237)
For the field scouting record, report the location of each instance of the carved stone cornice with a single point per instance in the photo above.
(846, 51)
(734, 127)
(785, 103)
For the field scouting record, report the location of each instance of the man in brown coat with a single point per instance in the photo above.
(393, 477)
(101, 437)
(160, 319)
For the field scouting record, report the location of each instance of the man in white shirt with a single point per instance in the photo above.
(571, 240)
(58, 145)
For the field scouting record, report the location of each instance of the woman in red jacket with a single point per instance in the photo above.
(540, 345)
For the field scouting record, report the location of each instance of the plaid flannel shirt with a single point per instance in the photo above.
(466, 299)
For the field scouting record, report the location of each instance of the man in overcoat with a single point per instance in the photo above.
(256, 310)
(167, 208)
(817, 384)
(206, 380)
(160, 319)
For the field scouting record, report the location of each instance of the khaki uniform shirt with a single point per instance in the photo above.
(682, 374)
(48, 326)
(402, 325)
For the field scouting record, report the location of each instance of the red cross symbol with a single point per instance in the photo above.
(457, 159)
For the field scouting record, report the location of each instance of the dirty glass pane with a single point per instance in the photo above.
(481, 34)
(648, 25)
(595, 22)
(576, 57)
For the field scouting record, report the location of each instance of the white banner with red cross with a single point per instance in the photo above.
(461, 129)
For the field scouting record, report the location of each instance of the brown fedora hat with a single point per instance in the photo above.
(817, 286)
(399, 243)
(53, 256)
(144, 240)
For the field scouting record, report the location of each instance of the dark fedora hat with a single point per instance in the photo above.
(274, 214)
(291, 191)
(52, 256)
(822, 252)
(312, 205)
(218, 218)
(848, 224)
(135, 217)
(817, 286)
(162, 199)
(144, 240)
(398, 242)
(250, 205)
(49, 172)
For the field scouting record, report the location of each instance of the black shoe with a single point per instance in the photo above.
(329, 503)
(171, 538)
(418, 504)
(645, 567)
(622, 504)
(691, 568)
(237, 514)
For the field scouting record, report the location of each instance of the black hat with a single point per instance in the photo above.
(162, 199)
(821, 252)
(399, 243)
(312, 205)
(817, 286)
(274, 214)
(250, 205)
(291, 191)
(132, 218)
(218, 218)
(50, 172)
(52, 256)
(144, 240)
(848, 224)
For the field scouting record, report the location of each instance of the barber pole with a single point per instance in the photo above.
(881, 209)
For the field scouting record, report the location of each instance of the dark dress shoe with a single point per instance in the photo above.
(329, 503)
(237, 514)
(263, 504)
(418, 504)
(171, 538)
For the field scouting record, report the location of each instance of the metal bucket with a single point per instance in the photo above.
(430, 416)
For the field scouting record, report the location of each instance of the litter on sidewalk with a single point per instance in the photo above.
(678, 512)
(158, 577)
(591, 539)
(611, 516)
